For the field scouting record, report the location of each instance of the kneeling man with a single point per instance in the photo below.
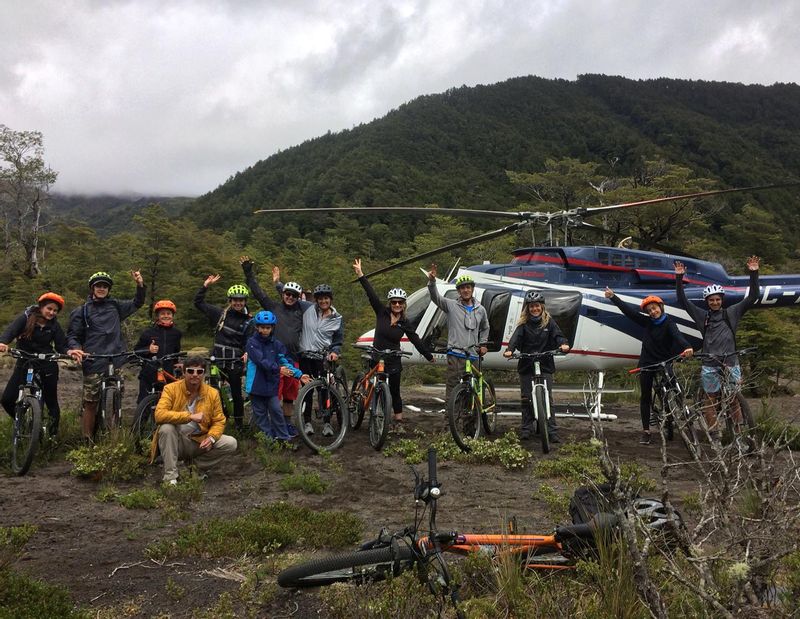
(190, 423)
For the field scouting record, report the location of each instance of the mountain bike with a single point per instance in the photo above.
(321, 415)
(112, 388)
(668, 404)
(730, 392)
(218, 379)
(30, 428)
(390, 554)
(540, 394)
(472, 407)
(370, 391)
(144, 421)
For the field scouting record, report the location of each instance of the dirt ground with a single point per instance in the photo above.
(96, 549)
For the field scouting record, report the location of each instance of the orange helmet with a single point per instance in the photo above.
(165, 304)
(52, 296)
(652, 299)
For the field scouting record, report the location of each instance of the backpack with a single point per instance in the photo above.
(588, 501)
(725, 317)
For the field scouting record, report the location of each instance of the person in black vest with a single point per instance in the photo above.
(231, 329)
(661, 340)
(390, 327)
(160, 339)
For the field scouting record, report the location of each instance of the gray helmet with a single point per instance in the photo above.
(323, 289)
(534, 296)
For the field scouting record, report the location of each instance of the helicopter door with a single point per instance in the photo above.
(435, 337)
(564, 307)
(496, 303)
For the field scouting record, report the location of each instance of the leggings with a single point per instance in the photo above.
(49, 377)
(646, 401)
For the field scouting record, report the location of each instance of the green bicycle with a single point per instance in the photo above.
(472, 407)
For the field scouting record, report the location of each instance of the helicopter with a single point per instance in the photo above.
(573, 280)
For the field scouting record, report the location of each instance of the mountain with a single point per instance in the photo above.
(454, 148)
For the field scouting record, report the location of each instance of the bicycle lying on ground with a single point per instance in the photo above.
(472, 407)
(390, 554)
(540, 393)
(668, 403)
(30, 428)
(321, 414)
(370, 391)
(144, 422)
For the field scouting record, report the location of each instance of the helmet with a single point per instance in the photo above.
(238, 291)
(653, 513)
(265, 317)
(52, 296)
(165, 304)
(464, 280)
(712, 289)
(534, 296)
(397, 293)
(101, 277)
(323, 289)
(293, 287)
(651, 299)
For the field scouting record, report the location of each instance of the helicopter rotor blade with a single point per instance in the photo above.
(598, 210)
(440, 250)
(421, 210)
(620, 235)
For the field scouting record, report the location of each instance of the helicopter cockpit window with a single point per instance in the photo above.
(435, 338)
(496, 304)
(417, 304)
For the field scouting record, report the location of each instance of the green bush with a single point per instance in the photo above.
(307, 481)
(112, 460)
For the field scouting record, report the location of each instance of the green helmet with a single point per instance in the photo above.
(238, 291)
(464, 280)
(101, 277)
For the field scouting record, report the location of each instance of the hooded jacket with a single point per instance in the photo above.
(467, 326)
(265, 357)
(44, 338)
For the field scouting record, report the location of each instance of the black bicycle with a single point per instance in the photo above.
(30, 427)
(112, 388)
(321, 414)
(144, 421)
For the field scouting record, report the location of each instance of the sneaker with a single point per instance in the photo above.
(327, 430)
(645, 440)
(172, 482)
(202, 476)
(291, 429)
(308, 429)
(743, 444)
(554, 438)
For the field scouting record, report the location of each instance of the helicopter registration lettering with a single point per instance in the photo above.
(766, 300)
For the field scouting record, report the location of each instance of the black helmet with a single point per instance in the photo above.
(323, 289)
(534, 296)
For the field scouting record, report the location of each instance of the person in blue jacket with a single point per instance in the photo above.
(266, 361)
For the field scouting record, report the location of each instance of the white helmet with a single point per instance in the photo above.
(397, 293)
(293, 287)
(712, 289)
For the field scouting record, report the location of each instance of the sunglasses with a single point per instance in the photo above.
(400, 302)
(291, 294)
(193, 371)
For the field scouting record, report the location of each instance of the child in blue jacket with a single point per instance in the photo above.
(266, 360)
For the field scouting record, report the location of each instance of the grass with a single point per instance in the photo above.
(273, 455)
(173, 500)
(69, 437)
(306, 481)
(505, 450)
(114, 458)
(260, 532)
(576, 463)
(771, 428)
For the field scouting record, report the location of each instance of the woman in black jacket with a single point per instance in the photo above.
(160, 339)
(661, 340)
(37, 331)
(390, 327)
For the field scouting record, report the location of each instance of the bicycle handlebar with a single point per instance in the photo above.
(660, 365)
(721, 358)
(36, 356)
(388, 352)
(319, 355)
(556, 352)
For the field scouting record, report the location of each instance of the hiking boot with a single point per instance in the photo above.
(645, 440)
(327, 430)
(171, 482)
(308, 429)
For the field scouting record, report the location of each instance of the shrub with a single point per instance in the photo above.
(112, 460)
(309, 482)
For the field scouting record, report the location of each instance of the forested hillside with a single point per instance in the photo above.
(527, 143)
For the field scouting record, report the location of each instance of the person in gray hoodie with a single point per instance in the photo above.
(96, 327)
(467, 325)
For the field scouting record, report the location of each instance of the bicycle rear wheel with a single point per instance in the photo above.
(144, 423)
(490, 408)
(321, 416)
(540, 404)
(356, 400)
(379, 409)
(359, 567)
(27, 429)
(463, 415)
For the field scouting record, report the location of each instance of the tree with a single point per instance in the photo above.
(25, 183)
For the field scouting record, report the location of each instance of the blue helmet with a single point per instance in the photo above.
(265, 318)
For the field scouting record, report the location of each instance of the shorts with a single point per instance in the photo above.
(91, 387)
(711, 377)
(288, 387)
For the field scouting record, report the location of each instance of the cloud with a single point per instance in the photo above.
(172, 98)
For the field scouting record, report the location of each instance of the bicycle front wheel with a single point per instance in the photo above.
(463, 415)
(540, 403)
(112, 408)
(356, 401)
(27, 429)
(684, 419)
(378, 412)
(144, 423)
(359, 567)
(490, 408)
(321, 416)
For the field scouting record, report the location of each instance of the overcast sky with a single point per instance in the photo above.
(172, 97)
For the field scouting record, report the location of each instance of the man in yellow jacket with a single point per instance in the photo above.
(190, 423)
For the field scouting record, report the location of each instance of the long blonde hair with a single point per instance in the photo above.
(523, 317)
